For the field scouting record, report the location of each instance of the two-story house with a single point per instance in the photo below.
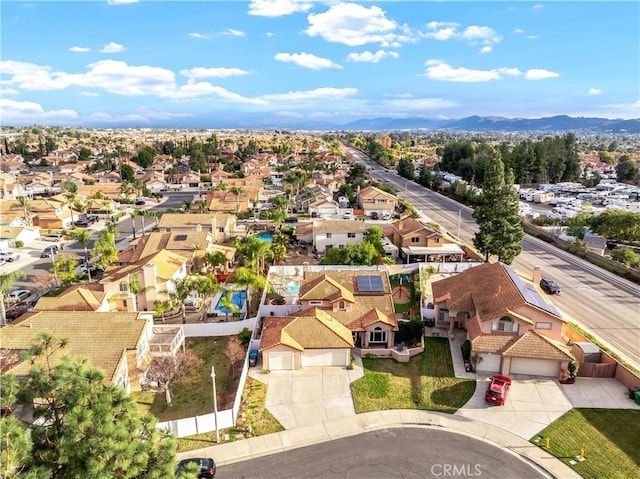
(221, 225)
(421, 242)
(512, 329)
(336, 233)
(373, 200)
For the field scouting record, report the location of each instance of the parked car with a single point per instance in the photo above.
(50, 251)
(53, 237)
(291, 219)
(93, 218)
(207, 466)
(374, 215)
(140, 203)
(386, 215)
(18, 295)
(498, 389)
(549, 286)
(2, 261)
(348, 215)
(82, 223)
(9, 256)
(253, 357)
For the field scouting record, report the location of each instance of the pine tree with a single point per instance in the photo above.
(500, 227)
(84, 426)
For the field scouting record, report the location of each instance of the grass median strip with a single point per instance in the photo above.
(610, 439)
(426, 382)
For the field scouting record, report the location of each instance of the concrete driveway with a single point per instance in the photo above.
(308, 396)
(534, 403)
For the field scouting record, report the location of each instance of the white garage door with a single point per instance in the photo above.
(535, 367)
(324, 357)
(280, 360)
(489, 362)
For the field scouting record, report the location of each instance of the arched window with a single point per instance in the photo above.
(378, 335)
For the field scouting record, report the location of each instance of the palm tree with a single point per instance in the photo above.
(83, 236)
(214, 259)
(226, 301)
(134, 214)
(23, 202)
(249, 280)
(135, 289)
(236, 190)
(6, 283)
(186, 205)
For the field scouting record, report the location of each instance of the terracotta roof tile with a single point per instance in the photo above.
(536, 346)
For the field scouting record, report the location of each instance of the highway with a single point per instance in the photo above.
(600, 302)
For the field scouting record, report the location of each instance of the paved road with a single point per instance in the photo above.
(597, 300)
(390, 453)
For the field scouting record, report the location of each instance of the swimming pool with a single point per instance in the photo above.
(292, 287)
(265, 236)
(237, 297)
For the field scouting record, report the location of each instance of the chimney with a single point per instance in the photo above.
(537, 275)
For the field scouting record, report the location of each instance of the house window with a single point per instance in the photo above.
(220, 230)
(505, 325)
(329, 235)
(351, 235)
(342, 305)
(378, 335)
(124, 287)
(436, 240)
(328, 247)
(543, 325)
(443, 315)
(315, 303)
(415, 239)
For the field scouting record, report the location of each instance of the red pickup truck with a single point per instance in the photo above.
(498, 389)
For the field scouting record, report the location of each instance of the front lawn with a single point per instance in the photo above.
(610, 439)
(426, 382)
(189, 401)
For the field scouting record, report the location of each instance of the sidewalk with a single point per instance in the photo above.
(329, 430)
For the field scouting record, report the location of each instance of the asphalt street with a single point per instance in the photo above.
(389, 454)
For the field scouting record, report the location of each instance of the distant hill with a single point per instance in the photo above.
(484, 123)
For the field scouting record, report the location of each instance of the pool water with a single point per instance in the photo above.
(237, 297)
(265, 236)
(293, 287)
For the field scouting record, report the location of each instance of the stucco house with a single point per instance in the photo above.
(374, 200)
(221, 225)
(336, 233)
(338, 309)
(420, 242)
(512, 329)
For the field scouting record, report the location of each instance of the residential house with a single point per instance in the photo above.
(373, 200)
(336, 234)
(339, 309)
(77, 297)
(221, 225)
(11, 163)
(118, 343)
(419, 241)
(323, 208)
(52, 213)
(512, 329)
(154, 277)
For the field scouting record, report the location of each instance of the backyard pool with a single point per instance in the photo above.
(292, 287)
(238, 298)
(265, 236)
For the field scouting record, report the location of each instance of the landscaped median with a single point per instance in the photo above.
(427, 381)
(610, 439)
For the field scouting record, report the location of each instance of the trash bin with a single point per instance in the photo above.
(638, 397)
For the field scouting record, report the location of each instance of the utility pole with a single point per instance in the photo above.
(215, 404)
(459, 221)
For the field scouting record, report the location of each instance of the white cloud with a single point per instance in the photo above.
(234, 33)
(538, 6)
(278, 8)
(485, 34)
(200, 72)
(539, 74)
(519, 31)
(269, 34)
(10, 91)
(26, 112)
(486, 49)
(354, 25)
(594, 91)
(306, 60)
(199, 36)
(112, 47)
(371, 57)
(89, 93)
(325, 94)
(438, 70)
(79, 49)
(442, 30)
(121, 2)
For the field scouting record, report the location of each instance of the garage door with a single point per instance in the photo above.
(535, 367)
(324, 357)
(280, 360)
(489, 362)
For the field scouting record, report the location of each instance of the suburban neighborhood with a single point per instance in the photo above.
(298, 275)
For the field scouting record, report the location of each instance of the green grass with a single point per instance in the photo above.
(189, 400)
(610, 439)
(426, 382)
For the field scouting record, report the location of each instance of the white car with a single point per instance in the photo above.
(348, 215)
(9, 256)
(18, 295)
(386, 215)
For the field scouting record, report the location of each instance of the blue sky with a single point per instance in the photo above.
(148, 63)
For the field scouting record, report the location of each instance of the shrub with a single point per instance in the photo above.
(410, 332)
(19, 244)
(244, 336)
(466, 350)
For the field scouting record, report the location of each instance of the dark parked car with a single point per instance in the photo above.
(50, 251)
(82, 223)
(291, 219)
(140, 203)
(374, 216)
(253, 357)
(207, 466)
(498, 389)
(549, 286)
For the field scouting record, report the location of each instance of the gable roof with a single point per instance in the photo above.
(79, 297)
(339, 226)
(536, 346)
(101, 338)
(325, 288)
(311, 328)
(166, 262)
(181, 242)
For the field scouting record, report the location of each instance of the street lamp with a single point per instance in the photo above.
(215, 403)
(459, 220)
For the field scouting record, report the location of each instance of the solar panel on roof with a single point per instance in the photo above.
(181, 237)
(368, 284)
(530, 294)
